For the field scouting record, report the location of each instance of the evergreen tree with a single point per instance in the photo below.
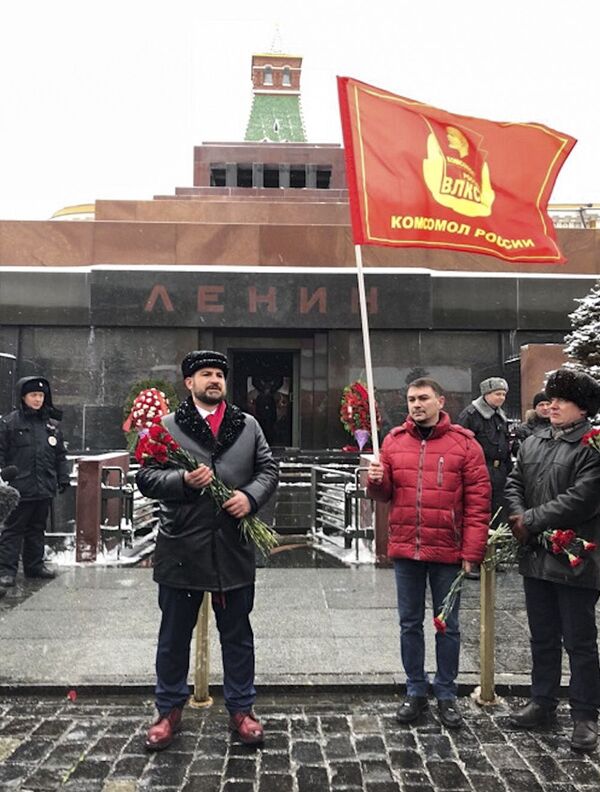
(583, 342)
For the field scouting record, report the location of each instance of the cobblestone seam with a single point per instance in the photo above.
(314, 744)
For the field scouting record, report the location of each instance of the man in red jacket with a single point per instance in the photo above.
(433, 473)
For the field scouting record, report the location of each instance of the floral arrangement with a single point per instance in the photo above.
(147, 405)
(354, 412)
(592, 439)
(141, 406)
(503, 548)
(157, 446)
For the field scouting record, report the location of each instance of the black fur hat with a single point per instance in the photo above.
(32, 384)
(575, 386)
(203, 358)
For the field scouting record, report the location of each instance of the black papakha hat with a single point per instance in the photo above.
(575, 386)
(542, 396)
(203, 358)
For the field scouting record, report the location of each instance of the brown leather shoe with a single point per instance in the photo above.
(161, 733)
(248, 728)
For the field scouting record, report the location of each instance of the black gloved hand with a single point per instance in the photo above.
(63, 487)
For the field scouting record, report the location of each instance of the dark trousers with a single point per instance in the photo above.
(179, 614)
(560, 616)
(24, 531)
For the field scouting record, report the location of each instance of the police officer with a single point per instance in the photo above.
(488, 422)
(31, 441)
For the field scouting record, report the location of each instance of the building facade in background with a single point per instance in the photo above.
(256, 259)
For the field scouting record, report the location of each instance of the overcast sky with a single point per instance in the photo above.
(107, 99)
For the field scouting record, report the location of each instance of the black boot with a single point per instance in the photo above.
(449, 713)
(531, 715)
(585, 735)
(43, 572)
(411, 708)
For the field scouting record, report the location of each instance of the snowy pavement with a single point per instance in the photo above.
(95, 626)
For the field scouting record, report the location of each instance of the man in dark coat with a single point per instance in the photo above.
(488, 422)
(434, 476)
(31, 441)
(556, 485)
(536, 420)
(199, 548)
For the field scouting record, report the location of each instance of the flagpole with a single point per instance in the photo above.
(364, 321)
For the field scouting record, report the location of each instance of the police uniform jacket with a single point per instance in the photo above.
(31, 440)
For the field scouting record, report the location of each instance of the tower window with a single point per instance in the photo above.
(287, 77)
(217, 175)
(323, 177)
(244, 175)
(268, 76)
(271, 176)
(298, 176)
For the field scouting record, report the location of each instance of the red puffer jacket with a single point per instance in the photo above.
(440, 493)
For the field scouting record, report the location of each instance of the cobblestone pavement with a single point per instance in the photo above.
(314, 743)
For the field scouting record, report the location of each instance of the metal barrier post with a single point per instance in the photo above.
(88, 505)
(201, 696)
(487, 694)
(313, 501)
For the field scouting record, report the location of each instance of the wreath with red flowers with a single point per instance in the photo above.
(146, 399)
(354, 408)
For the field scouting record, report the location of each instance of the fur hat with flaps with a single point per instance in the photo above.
(493, 384)
(575, 386)
(39, 385)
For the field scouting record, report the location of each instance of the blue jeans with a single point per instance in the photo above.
(411, 579)
(179, 614)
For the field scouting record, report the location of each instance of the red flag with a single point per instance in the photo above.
(421, 177)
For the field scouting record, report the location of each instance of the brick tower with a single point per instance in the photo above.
(276, 115)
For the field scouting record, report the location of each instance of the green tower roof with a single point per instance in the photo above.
(276, 118)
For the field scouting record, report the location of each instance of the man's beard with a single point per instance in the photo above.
(209, 398)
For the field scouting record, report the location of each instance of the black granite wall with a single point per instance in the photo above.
(96, 332)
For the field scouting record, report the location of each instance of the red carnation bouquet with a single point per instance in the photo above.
(158, 447)
(354, 412)
(592, 439)
(507, 550)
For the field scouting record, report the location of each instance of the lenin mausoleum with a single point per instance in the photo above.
(256, 259)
